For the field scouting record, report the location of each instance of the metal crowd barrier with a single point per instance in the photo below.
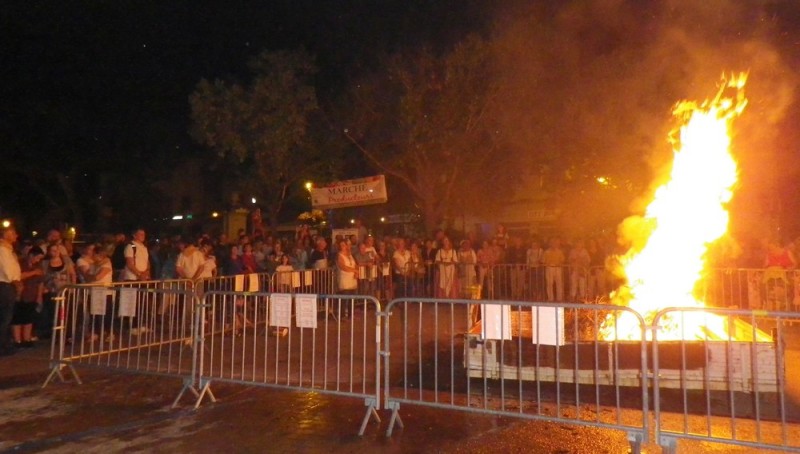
(772, 289)
(138, 327)
(514, 282)
(543, 361)
(280, 341)
(731, 381)
(321, 282)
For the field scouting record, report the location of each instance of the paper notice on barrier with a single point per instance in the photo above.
(305, 309)
(309, 278)
(97, 300)
(362, 272)
(385, 271)
(496, 321)
(252, 282)
(295, 279)
(127, 302)
(548, 325)
(280, 310)
(238, 283)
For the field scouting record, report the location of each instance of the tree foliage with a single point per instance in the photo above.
(428, 121)
(262, 130)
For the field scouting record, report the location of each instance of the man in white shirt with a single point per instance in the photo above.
(137, 268)
(137, 259)
(10, 280)
(190, 262)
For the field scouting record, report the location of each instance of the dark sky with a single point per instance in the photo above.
(129, 66)
(109, 80)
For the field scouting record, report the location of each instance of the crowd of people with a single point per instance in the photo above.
(33, 271)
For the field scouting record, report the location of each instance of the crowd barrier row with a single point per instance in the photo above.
(772, 289)
(533, 360)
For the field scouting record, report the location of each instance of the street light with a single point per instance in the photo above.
(309, 185)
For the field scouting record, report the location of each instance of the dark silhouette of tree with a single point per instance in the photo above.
(262, 130)
(428, 121)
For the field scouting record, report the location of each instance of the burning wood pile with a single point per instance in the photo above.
(669, 242)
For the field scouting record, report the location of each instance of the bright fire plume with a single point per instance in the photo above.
(687, 213)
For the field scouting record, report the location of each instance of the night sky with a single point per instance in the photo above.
(106, 83)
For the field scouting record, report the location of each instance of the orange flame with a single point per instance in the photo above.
(686, 215)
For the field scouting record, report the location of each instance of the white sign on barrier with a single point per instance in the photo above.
(127, 302)
(496, 321)
(305, 308)
(548, 325)
(280, 310)
(295, 279)
(97, 300)
(238, 283)
(252, 282)
(309, 278)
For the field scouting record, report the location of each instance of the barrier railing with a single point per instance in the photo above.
(532, 360)
(731, 379)
(540, 361)
(773, 289)
(280, 341)
(321, 282)
(138, 327)
(758, 289)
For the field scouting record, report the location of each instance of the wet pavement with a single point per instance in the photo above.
(113, 412)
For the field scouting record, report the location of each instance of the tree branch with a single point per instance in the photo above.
(401, 175)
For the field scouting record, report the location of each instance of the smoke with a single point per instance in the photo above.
(589, 87)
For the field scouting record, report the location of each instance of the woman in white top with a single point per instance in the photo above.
(283, 273)
(467, 259)
(447, 278)
(102, 273)
(346, 272)
(208, 267)
(346, 269)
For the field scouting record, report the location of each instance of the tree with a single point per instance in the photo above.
(262, 129)
(428, 121)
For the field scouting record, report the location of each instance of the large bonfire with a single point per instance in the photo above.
(687, 214)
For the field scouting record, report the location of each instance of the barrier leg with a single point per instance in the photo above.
(56, 371)
(371, 413)
(395, 407)
(635, 440)
(669, 445)
(206, 389)
(187, 384)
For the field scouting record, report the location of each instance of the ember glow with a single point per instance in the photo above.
(687, 214)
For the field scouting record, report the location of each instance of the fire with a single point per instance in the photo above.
(687, 214)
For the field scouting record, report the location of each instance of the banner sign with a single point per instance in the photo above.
(350, 193)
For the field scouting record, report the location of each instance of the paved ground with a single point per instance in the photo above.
(114, 412)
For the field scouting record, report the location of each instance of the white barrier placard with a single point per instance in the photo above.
(496, 321)
(252, 282)
(280, 310)
(547, 325)
(238, 283)
(295, 279)
(305, 309)
(309, 278)
(97, 300)
(127, 302)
